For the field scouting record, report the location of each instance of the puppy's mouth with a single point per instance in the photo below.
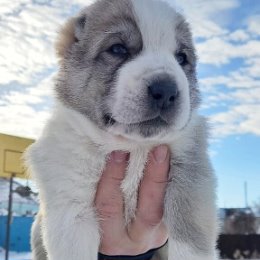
(157, 121)
(149, 128)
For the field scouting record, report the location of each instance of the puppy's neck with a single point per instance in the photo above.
(107, 142)
(86, 129)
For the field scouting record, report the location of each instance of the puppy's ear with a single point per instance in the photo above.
(70, 33)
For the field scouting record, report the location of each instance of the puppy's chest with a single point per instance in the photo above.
(133, 175)
(95, 163)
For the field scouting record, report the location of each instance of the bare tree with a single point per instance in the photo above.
(257, 207)
(241, 222)
(245, 223)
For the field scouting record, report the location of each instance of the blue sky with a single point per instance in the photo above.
(227, 36)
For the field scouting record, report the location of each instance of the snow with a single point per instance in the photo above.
(15, 256)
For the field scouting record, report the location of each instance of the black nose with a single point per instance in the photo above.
(163, 93)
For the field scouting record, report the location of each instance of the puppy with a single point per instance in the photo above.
(127, 81)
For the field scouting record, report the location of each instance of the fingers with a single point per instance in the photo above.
(109, 199)
(147, 231)
(151, 194)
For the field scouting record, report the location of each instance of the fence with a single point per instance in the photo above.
(20, 233)
(230, 246)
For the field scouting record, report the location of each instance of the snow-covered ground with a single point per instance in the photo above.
(15, 256)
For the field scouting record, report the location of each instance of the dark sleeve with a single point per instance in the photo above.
(146, 256)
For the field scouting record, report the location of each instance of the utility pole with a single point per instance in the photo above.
(245, 190)
(9, 218)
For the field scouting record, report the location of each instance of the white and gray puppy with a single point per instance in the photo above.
(127, 81)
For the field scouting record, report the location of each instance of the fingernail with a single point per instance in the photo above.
(118, 156)
(160, 153)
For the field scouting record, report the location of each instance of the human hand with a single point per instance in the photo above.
(147, 230)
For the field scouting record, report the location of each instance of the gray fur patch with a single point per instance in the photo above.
(38, 250)
(88, 72)
(185, 44)
(190, 187)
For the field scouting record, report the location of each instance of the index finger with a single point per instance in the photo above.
(109, 199)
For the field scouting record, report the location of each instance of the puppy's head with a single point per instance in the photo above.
(130, 67)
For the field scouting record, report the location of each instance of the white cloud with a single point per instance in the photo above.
(204, 8)
(253, 67)
(240, 119)
(25, 44)
(28, 32)
(218, 51)
(207, 29)
(239, 36)
(18, 116)
(8, 7)
(247, 96)
(22, 120)
(239, 102)
(253, 24)
(201, 14)
(237, 79)
(82, 2)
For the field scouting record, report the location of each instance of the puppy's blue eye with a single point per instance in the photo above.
(181, 58)
(118, 50)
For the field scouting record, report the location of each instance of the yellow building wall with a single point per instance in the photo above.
(11, 151)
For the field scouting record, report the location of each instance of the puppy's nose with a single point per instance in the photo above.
(163, 93)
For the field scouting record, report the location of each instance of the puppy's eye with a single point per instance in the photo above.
(118, 50)
(181, 58)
